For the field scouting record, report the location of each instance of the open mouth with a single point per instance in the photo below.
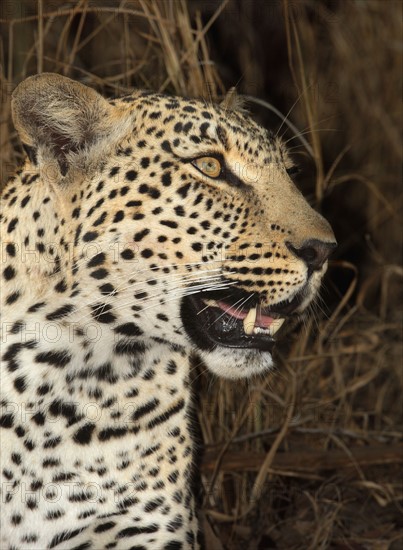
(234, 319)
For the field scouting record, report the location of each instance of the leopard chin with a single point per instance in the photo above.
(237, 363)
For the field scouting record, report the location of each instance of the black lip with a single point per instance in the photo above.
(211, 327)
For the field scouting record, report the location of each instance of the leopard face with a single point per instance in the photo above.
(168, 220)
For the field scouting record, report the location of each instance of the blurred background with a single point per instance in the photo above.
(309, 457)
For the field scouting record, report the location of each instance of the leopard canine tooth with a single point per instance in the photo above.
(249, 321)
(275, 326)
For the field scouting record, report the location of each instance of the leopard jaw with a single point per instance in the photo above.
(249, 321)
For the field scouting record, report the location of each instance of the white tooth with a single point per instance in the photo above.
(249, 321)
(275, 326)
(260, 330)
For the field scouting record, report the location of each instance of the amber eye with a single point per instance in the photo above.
(209, 166)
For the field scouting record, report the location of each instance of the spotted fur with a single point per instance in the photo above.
(105, 229)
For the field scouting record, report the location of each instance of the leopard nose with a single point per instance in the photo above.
(313, 252)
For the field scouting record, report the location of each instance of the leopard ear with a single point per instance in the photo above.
(59, 119)
(232, 101)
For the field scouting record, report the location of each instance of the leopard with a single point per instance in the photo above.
(144, 238)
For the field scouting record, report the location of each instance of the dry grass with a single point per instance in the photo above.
(311, 456)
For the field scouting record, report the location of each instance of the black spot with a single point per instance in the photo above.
(104, 527)
(25, 201)
(167, 414)
(106, 373)
(20, 384)
(43, 390)
(109, 433)
(173, 545)
(63, 476)
(173, 476)
(16, 519)
(7, 421)
(61, 286)
(98, 259)
(50, 462)
(129, 204)
(36, 485)
(57, 359)
(84, 434)
(175, 524)
(197, 247)
(17, 327)
(133, 531)
(54, 514)
(106, 289)
(166, 146)
(13, 297)
(10, 249)
(151, 505)
(60, 312)
(162, 317)
(9, 273)
(183, 191)
(100, 273)
(102, 313)
(11, 225)
(39, 418)
(145, 409)
(127, 253)
(179, 210)
(171, 367)
(64, 536)
(166, 179)
(16, 458)
(100, 220)
(129, 348)
(147, 253)
(128, 329)
(90, 236)
(52, 443)
(118, 216)
(61, 408)
(29, 445)
(152, 192)
(169, 223)
(131, 175)
(32, 505)
(140, 235)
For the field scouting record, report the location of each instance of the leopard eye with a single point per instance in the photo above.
(293, 170)
(209, 166)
